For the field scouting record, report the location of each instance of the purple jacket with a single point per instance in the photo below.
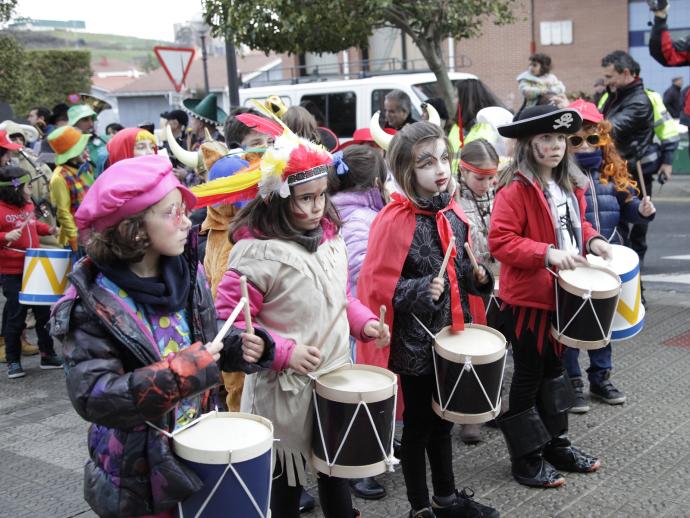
(357, 209)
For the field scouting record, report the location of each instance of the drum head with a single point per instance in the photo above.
(223, 437)
(624, 260)
(601, 282)
(354, 383)
(483, 344)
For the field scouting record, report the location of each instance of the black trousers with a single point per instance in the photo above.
(334, 496)
(424, 433)
(531, 367)
(635, 236)
(14, 317)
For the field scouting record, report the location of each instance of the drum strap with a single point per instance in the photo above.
(445, 232)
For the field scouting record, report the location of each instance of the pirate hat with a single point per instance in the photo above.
(205, 109)
(542, 119)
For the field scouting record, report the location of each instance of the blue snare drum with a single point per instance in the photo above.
(45, 275)
(231, 453)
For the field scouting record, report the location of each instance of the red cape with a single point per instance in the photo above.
(390, 238)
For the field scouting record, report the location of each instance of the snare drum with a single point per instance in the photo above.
(586, 300)
(45, 276)
(231, 453)
(354, 421)
(629, 317)
(469, 368)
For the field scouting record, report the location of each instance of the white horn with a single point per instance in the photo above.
(382, 138)
(188, 158)
(434, 117)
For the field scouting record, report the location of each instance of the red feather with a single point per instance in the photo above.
(260, 124)
(304, 158)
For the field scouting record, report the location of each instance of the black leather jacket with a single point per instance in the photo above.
(631, 113)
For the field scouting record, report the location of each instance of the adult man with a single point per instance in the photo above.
(71, 179)
(177, 121)
(630, 110)
(82, 117)
(397, 109)
(672, 99)
(38, 117)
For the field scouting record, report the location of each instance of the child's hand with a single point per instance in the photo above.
(436, 288)
(13, 235)
(252, 347)
(480, 275)
(565, 260)
(601, 248)
(646, 208)
(304, 358)
(53, 231)
(371, 329)
(214, 349)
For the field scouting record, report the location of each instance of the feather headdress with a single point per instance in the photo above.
(289, 161)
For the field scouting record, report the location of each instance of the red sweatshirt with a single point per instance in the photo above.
(11, 254)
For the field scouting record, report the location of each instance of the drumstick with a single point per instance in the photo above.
(382, 319)
(473, 259)
(451, 247)
(330, 328)
(247, 310)
(643, 189)
(231, 320)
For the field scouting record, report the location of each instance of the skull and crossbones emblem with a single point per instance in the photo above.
(564, 120)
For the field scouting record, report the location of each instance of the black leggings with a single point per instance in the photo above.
(334, 496)
(424, 432)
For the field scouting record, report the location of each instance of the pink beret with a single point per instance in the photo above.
(127, 188)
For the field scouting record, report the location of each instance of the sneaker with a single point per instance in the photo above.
(464, 506)
(306, 502)
(14, 370)
(427, 512)
(580, 405)
(51, 361)
(607, 392)
(471, 433)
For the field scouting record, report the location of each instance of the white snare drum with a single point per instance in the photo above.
(586, 300)
(231, 453)
(469, 368)
(354, 421)
(629, 317)
(45, 275)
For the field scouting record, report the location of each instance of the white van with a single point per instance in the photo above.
(348, 105)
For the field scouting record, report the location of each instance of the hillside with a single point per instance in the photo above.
(136, 51)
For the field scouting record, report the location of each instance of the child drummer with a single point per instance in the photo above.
(407, 243)
(538, 222)
(287, 244)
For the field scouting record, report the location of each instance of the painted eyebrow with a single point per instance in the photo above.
(424, 156)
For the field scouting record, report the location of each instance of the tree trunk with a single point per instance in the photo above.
(431, 50)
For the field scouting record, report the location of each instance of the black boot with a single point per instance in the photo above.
(556, 398)
(367, 488)
(306, 502)
(525, 436)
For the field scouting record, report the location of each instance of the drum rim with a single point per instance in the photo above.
(595, 294)
(580, 344)
(50, 253)
(347, 471)
(627, 275)
(219, 457)
(480, 360)
(342, 396)
(461, 418)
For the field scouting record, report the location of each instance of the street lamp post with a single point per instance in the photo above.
(204, 59)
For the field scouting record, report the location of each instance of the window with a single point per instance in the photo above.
(339, 111)
(556, 33)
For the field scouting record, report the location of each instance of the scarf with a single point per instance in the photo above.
(445, 202)
(589, 161)
(168, 292)
(311, 239)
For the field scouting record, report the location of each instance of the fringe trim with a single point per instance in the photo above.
(293, 463)
(536, 321)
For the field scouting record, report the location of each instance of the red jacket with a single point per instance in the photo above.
(521, 231)
(11, 254)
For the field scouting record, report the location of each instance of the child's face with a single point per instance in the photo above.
(548, 149)
(308, 204)
(479, 184)
(26, 191)
(431, 168)
(143, 147)
(167, 225)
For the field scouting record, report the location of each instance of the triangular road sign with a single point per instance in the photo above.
(176, 62)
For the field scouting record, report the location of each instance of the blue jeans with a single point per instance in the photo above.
(13, 320)
(599, 363)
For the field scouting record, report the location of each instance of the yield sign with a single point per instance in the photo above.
(176, 62)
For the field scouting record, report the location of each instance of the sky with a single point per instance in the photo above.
(152, 19)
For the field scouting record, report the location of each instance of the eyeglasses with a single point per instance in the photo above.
(593, 139)
(175, 213)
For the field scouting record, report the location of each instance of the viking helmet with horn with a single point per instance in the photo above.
(383, 139)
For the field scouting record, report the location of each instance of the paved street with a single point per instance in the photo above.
(644, 444)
